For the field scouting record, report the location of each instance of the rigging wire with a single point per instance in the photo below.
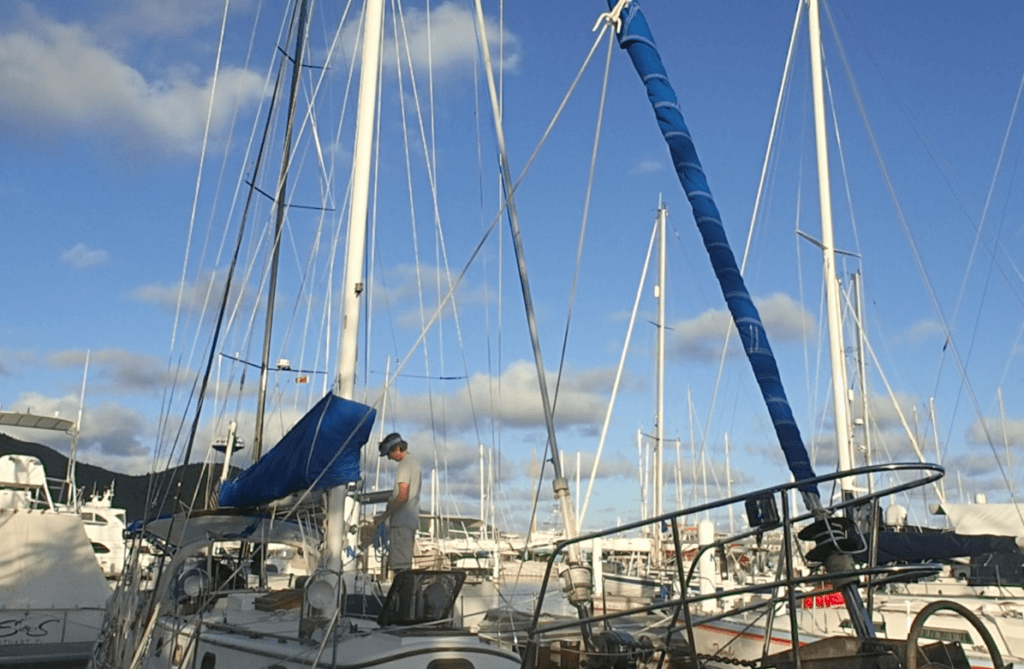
(579, 250)
(787, 68)
(929, 289)
(201, 383)
(618, 377)
(997, 251)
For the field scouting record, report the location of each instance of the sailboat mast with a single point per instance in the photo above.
(862, 370)
(362, 154)
(577, 576)
(659, 420)
(279, 199)
(352, 283)
(659, 460)
(71, 481)
(844, 442)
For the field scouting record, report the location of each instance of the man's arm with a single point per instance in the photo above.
(394, 504)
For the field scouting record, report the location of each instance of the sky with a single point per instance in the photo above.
(122, 189)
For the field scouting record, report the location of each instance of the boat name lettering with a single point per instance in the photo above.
(24, 627)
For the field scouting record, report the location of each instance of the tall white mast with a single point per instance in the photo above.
(352, 284)
(483, 488)
(844, 442)
(659, 434)
(659, 419)
(71, 480)
(728, 485)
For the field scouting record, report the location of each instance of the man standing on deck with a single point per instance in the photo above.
(402, 513)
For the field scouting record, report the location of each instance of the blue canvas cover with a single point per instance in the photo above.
(321, 451)
(925, 546)
(636, 39)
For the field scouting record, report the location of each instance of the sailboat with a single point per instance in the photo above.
(211, 604)
(211, 610)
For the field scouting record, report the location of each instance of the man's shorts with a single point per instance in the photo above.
(400, 543)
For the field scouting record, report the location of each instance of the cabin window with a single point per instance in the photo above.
(938, 634)
(454, 663)
(100, 549)
(879, 625)
(209, 661)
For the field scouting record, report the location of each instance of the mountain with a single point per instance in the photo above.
(130, 492)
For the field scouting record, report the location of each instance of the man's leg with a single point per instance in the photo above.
(400, 542)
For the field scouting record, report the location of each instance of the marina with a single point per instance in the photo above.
(330, 480)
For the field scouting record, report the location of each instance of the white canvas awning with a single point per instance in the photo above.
(973, 519)
(24, 419)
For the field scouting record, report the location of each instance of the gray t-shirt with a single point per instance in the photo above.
(408, 471)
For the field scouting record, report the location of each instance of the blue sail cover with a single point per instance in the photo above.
(636, 39)
(926, 546)
(321, 451)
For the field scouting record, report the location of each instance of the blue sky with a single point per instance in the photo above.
(101, 134)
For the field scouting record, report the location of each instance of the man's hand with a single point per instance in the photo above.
(367, 534)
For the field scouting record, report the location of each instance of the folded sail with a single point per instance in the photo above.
(321, 451)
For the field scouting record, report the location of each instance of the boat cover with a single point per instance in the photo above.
(224, 526)
(928, 546)
(321, 451)
(48, 563)
(1001, 519)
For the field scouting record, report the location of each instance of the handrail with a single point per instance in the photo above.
(928, 473)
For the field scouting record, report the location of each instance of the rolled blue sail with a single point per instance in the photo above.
(636, 39)
(321, 451)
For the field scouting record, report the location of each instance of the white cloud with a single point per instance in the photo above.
(82, 257)
(59, 76)
(193, 296)
(198, 296)
(996, 430)
(140, 78)
(166, 18)
(446, 39)
(117, 370)
(700, 338)
(921, 331)
(111, 435)
(401, 285)
(512, 400)
(116, 431)
(884, 414)
(648, 166)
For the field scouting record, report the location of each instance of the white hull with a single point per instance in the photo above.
(47, 637)
(244, 648)
(53, 594)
